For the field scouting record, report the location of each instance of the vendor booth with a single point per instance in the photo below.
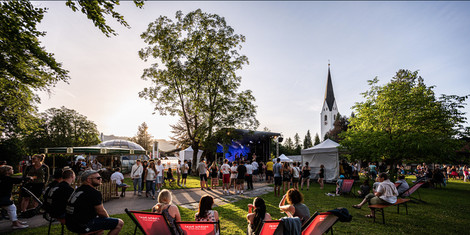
(326, 154)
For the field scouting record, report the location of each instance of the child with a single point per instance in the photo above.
(339, 184)
(169, 176)
(365, 189)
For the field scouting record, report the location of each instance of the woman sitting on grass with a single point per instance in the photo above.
(205, 212)
(365, 189)
(255, 219)
(386, 194)
(171, 212)
(295, 208)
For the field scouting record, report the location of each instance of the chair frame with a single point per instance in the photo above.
(312, 218)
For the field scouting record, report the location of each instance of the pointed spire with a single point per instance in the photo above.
(329, 95)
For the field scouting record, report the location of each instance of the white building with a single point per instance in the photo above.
(329, 110)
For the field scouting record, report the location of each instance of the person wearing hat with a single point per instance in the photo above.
(339, 184)
(85, 212)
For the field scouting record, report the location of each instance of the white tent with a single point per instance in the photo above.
(284, 158)
(187, 154)
(326, 154)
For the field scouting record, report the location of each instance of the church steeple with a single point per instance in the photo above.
(329, 94)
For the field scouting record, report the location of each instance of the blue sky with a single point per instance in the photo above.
(288, 45)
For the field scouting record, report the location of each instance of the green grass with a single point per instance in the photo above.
(445, 212)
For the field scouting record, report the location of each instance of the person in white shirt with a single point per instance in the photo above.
(249, 176)
(184, 170)
(178, 172)
(295, 176)
(255, 168)
(233, 176)
(160, 171)
(225, 169)
(136, 175)
(118, 177)
(403, 184)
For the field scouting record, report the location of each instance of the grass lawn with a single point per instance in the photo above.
(445, 212)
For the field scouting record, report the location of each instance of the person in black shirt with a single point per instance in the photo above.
(241, 171)
(47, 193)
(85, 212)
(6, 186)
(60, 194)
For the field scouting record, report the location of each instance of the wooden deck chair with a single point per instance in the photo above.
(347, 186)
(149, 223)
(319, 223)
(411, 190)
(198, 228)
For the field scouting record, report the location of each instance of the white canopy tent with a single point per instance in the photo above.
(326, 154)
(284, 158)
(187, 154)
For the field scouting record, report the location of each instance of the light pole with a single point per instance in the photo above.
(278, 140)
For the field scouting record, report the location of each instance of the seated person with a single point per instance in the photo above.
(118, 177)
(6, 184)
(85, 212)
(255, 219)
(205, 212)
(403, 184)
(295, 208)
(61, 193)
(438, 177)
(47, 192)
(386, 194)
(339, 184)
(171, 212)
(365, 188)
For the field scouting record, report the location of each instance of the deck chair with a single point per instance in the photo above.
(397, 185)
(411, 190)
(269, 226)
(198, 228)
(149, 223)
(347, 186)
(319, 223)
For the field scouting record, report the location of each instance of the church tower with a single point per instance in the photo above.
(330, 110)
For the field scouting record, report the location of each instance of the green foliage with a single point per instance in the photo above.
(403, 120)
(308, 140)
(198, 81)
(97, 10)
(143, 138)
(317, 139)
(340, 125)
(63, 128)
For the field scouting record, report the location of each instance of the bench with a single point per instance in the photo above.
(380, 207)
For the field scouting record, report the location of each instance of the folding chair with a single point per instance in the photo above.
(269, 226)
(347, 186)
(198, 228)
(411, 190)
(149, 223)
(319, 223)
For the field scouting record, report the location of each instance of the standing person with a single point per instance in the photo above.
(372, 170)
(233, 177)
(6, 184)
(169, 177)
(160, 171)
(96, 165)
(386, 194)
(202, 169)
(286, 177)
(136, 175)
(255, 167)
(170, 211)
(184, 170)
(85, 212)
(262, 171)
(178, 173)
(255, 219)
(321, 175)
(277, 168)
(214, 172)
(118, 177)
(296, 208)
(249, 176)
(60, 194)
(241, 172)
(305, 176)
(144, 168)
(295, 176)
(39, 172)
(269, 172)
(225, 169)
(150, 177)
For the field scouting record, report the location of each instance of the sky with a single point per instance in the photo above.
(288, 45)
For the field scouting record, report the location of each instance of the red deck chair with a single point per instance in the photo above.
(149, 223)
(269, 226)
(397, 185)
(319, 223)
(198, 228)
(347, 186)
(411, 190)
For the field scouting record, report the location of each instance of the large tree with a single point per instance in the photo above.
(143, 138)
(199, 55)
(403, 120)
(317, 139)
(308, 140)
(340, 125)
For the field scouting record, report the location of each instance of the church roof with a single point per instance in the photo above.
(329, 95)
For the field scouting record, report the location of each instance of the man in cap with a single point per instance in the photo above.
(85, 212)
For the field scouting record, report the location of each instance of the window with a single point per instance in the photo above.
(326, 118)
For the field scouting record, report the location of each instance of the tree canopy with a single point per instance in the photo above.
(199, 57)
(308, 140)
(143, 138)
(403, 120)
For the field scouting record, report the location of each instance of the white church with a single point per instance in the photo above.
(329, 110)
